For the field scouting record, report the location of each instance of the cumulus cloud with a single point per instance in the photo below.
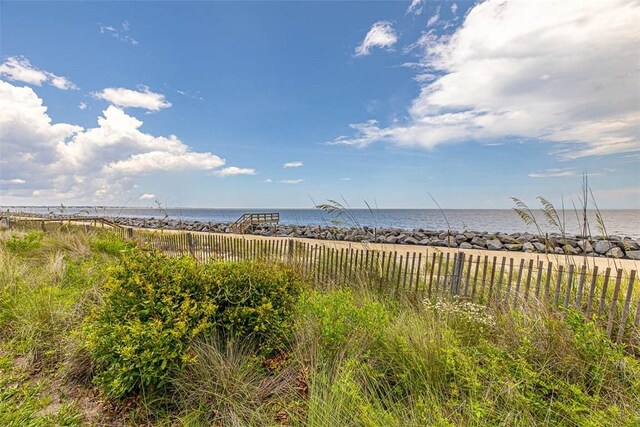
(234, 170)
(165, 161)
(147, 196)
(82, 106)
(291, 181)
(126, 98)
(380, 35)
(120, 32)
(563, 72)
(67, 162)
(292, 165)
(19, 68)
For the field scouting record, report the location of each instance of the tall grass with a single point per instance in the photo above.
(359, 355)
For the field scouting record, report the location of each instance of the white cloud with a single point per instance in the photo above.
(564, 72)
(120, 33)
(554, 173)
(415, 7)
(267, 181)
(143, 98)
(434, 19)
(380, 35)
(191, 94)
(345, 179)
(147, 196)
(454, 9)
(567, 173)
(164, 161)
(233, 170)
(15, 181)
(82, 106)
(68, 162)
(292, 165)
(19, 68)
(292, 181)
(62, 83)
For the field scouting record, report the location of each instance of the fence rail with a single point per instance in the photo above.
(607, 296)
(248, 220)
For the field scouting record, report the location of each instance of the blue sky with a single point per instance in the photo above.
(378, 101)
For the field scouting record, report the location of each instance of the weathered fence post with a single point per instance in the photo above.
(625, 310)
(130, 232)
(290, 249)
(42, 226)
(191, 245)
(456, 277)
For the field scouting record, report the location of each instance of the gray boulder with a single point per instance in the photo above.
(505, 238)
(477, 241)
(410, 240)
(585, 245)
(465, 245)
(615, 252)
(513, 246)
(524, 238)
(461, 238)
(494, 244)
(634, 255)
(571, 250)
(602, 246)
(539, 247)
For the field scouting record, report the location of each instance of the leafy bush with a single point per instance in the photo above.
(339, 317)
(30, 241)
(111, 244)
(255, 300)
(155, 305)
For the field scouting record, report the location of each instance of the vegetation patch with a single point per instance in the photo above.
(156, 340)
(18, 244)
(154, 306)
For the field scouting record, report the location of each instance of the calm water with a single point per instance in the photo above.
(619, 222)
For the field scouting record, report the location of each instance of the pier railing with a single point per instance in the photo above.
(250, 219)
(608, 296)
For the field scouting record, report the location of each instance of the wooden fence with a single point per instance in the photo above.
(606, 296)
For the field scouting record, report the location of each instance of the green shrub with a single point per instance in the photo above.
(255, 300)
(111, 244)
(338, 317)
(30, 241)
(155, 305)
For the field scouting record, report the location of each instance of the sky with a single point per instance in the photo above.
(294, 103)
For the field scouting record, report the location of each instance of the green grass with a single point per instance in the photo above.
(357, 354)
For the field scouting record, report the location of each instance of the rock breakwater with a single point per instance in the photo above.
(554, 243)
